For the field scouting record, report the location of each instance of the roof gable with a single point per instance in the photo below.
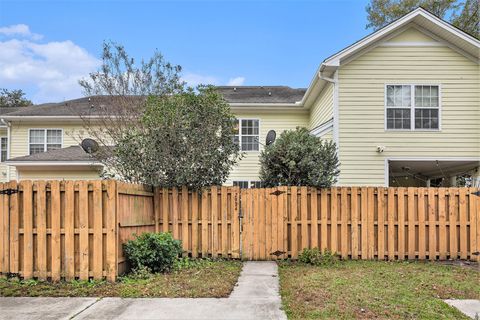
(423, 20)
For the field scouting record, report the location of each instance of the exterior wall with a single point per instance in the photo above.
(322, 109)
(248, 168)
(362, 108)
(55, 174)
(19, 137)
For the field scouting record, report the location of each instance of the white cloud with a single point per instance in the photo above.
(238, 81)
(51, 69)
(21, 30)
(194, 79)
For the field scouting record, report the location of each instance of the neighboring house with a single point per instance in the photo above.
(402, 104)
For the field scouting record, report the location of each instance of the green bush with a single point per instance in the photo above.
(318, 258)
(156, 252)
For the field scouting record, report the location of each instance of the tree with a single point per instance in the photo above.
(298, 158)
(13, 98)
(153, 130)
(462, 14)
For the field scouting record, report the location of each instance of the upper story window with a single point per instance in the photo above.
(246, 134)
(42, 140)
(3, 149)
(412, 107)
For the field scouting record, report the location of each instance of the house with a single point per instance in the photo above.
(402, 104)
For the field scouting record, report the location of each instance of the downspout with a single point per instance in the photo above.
(9, 127)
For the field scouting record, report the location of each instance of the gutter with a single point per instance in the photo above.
(53, 163)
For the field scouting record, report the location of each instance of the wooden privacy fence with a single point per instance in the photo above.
(76, 229)
(365, 223)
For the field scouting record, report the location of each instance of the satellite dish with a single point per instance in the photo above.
(89, 145)
(271, 135)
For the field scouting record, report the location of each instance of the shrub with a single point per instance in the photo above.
(298, 158)
(156, 252)
(318, 258)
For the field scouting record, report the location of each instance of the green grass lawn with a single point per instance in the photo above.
(374, 289)
(203, 278)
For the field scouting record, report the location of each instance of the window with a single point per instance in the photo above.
(421, 101)
(241, 184)
(3, 149)
(246, 134)
(246, 184)
(42, 140)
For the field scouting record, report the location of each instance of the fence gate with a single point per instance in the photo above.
(264, 223)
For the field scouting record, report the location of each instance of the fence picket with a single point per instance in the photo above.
(83, 226)
(41, 230)
(432, 241)
(314, 218)
(354, 219)
(26, 186)
(364, 225)
(421, 224)
(442, 227)
(185, 234)
(97, 230)
(195, 234)
(304, 243)
(391, 223)
(344, 223)
(293, 222)
(224, 221)
(381, 223)
(333, 220)
(55, 235)
(452, 222)
(411, 223)
(401, 223)
(462, 205)
(14, 226)
(324, 221)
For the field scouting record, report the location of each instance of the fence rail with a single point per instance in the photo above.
(76, 229)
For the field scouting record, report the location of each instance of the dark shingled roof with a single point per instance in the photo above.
(93, 105)
(5, 110)
(261, 94)
(73, 153)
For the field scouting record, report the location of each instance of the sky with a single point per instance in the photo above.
(47, 46)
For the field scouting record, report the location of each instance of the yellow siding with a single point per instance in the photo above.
(328, 136)
(412, 35)
(55, 174)
(361, 109)
(19, 137)
(322, 109)
(249, 166)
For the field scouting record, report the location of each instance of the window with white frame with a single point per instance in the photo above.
(246, 134)
(412, 107)
(42, 140)
(3, 149)
(248, 184)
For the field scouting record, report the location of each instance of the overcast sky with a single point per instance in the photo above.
(46, 46)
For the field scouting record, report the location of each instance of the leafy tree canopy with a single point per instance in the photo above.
(13, 98)
(163, 134)
(298, 158)
(462, 14)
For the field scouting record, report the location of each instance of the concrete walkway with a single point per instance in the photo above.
(469, 307)
(255, 297)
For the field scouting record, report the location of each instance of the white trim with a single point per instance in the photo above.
(52, 163)
(387, 171)
(412, 106)
(323, 129)
(240, 134)
(45, 144)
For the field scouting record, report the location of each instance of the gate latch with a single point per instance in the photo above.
(9, 191)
